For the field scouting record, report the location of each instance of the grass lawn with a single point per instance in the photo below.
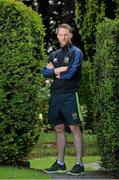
(50, 137)
(40, 164)
(44, 147)
(44, 154)
(14, 173)
(45, 162)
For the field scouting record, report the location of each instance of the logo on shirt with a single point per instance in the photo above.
(66, 60)
(55, 60)
(74, 115)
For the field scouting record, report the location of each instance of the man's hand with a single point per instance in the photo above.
(57, 70)
(49, 65)
(58, 76)
(60, 69)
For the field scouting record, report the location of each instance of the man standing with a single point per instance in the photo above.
(64, 66)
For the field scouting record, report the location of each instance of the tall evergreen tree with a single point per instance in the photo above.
(88, 14)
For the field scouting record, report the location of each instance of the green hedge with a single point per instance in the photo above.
(88, 14)
(85, 91)
(21, 55)
(107, 93)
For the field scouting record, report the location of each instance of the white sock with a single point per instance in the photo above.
(80, 163)
(59, 162)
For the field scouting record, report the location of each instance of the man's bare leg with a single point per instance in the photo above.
(78, 141)
(61, 141)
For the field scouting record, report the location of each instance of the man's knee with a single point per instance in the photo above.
(74, 128)
(59, 128)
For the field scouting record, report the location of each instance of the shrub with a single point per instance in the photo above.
(21, 52)
(107, 93)
(85, 91)
(89, 13)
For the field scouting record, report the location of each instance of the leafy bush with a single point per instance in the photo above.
(44, 94)
(21, 53)
(88, 14)
(107, 93)
(86, 96)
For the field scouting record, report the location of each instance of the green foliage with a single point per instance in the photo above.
(103, 85)
(88, 14)
(21, 53)
(46, 145)
(107, 93)
(44, 94)
(86, 96)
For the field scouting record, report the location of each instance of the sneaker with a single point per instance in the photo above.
(56, 168)
(77, 170)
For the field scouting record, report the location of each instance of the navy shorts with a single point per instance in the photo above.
(64, 109)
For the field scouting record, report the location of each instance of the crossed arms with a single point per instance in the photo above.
(64, 72)
(58, 70)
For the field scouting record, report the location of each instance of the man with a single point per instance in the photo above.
(64, 66)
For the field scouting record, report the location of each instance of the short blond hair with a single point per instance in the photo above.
(66, 26)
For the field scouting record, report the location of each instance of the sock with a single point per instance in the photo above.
(80, 163)
(59, 162)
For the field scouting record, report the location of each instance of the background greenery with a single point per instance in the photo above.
(21, 52)
(37, 166)
(24, 96)
(46, 145)
(100, 74)
(106, 91)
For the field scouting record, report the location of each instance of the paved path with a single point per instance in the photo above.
(88, 175)
(98, 173)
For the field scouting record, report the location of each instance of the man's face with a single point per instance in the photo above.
(64, 36)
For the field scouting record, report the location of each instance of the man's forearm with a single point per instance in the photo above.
(60, 69)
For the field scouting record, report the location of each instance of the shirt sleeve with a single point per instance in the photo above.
(48, 72)
(78, 56)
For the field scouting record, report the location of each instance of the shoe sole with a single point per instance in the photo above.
(59, 171)
(76, 174)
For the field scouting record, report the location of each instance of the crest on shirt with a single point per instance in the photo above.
(66, 60)
(55, 60)
(74, 115)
